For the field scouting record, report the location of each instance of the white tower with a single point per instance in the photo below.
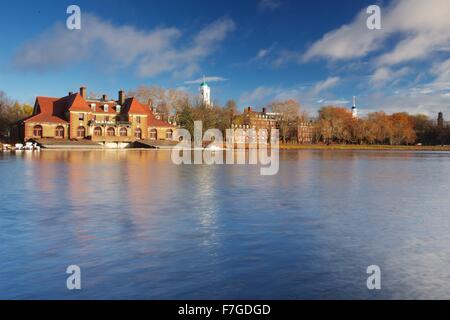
(205, 92)
(354, 109)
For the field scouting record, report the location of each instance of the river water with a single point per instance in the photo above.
(140, 227)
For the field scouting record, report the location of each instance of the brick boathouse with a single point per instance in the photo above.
(76, 117)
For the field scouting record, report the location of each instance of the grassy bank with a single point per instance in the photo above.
(361, 147)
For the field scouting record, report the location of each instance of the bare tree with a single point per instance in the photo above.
(289, 111)
(164, 101)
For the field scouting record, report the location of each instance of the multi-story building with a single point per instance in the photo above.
(255, 120)
(261, 120)
(298, 130)
(77, 117)
(305, 131)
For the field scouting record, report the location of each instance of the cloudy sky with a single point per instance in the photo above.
(319, 52)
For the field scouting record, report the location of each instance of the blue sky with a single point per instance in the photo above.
(254, 51)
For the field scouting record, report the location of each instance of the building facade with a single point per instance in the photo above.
(77, 117)
(305, 132)
(298, 131)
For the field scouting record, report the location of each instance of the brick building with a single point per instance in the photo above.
(77, 117)
(305, 132)
(298, 130)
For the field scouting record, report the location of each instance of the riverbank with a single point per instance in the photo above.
(361, 147)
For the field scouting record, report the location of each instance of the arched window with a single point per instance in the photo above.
(111, 132)
(123, 132)
(37, 131)
(169, 134)
(153, 134)
(81, 132)
(59, 132)
(97, 131)
(138, 133)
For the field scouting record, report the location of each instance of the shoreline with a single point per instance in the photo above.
(362, 147)
(282, 146)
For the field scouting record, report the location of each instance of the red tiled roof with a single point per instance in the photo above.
(48, 110)
(77, 103)
(153, 122)
(132, 105)
(45, 104)
(100, 106)
(44, 117)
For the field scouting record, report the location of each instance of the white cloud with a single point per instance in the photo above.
(325, 84)
(262, 53)
(385, 75)
(258, 95)
(339, 102)
(442, 71)
(268, 5)
(414, 102)
(150, 53)
(305, 94)
(207, 79)
(421, 26)
(347, 42)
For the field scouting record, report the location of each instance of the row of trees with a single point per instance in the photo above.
(336, 125)
(11, 111)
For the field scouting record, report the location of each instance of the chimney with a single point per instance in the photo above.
(121, 97)
(264, 110)
(70, 93)
(83, 92)
(104, 97)
(249, 109)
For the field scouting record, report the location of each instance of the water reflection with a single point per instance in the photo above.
(142, 227)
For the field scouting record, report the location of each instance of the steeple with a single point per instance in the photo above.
(354, 109)
(205, 92)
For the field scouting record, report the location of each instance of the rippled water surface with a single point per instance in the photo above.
(141, 227)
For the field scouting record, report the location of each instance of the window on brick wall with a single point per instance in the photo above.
(153, 134)
(138, 133)
(37, 131)
(81, 116)
(59, 132)
(169, 134)
(111, 132)
(81, 132)
(97, 131)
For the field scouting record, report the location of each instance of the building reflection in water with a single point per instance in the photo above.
(143, 227)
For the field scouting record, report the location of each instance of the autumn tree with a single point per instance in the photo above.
(379, 128)
(402, 129)
(335, 124)
(11, 112)
(289, 111)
